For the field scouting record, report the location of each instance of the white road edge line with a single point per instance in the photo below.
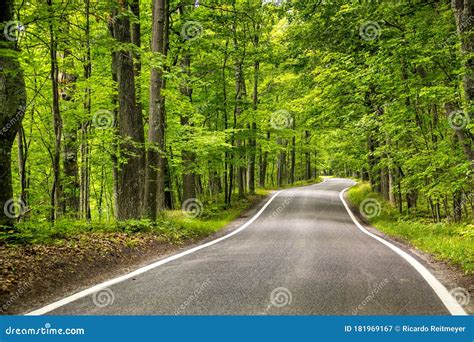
(449, 302)
(144, 269)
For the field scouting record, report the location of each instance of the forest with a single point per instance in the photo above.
(120, 112)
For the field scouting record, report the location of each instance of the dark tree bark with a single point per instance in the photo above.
(71, 189)
(281, 163)
(57, 119)
(85, 208)
(263, 164)
(130, 127)
(240, 94)
(253, 131)
(293, 155)
(188, 156)
(115, 147)
(22, 158)
(12, 108)
(307, 156)
(155, 177)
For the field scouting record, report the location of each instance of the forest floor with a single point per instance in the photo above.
(40, 268)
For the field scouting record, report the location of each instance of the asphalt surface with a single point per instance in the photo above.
(302, 256)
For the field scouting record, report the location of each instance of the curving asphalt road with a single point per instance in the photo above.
(302, 256)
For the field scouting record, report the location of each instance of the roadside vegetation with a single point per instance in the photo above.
(446, 240)
(173, 226)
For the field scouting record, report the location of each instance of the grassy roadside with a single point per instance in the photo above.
(451, 242)
(174, 226)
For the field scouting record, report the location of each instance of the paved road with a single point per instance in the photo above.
(303, 247)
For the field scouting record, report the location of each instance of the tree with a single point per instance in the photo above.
(12, 106)
(130, 124)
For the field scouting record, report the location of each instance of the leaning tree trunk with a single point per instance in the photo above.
(12, 108)
(130, 127)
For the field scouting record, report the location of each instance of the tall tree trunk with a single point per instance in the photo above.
(12, 109)
(227, 186)
(263, 164)
(281, 163)
(115, 146)
(155, 182)
(293, 155)
(71, 190)
(307, 154)
(130, 126)
(253, 131)
(240, 93)
(85, 208)
(463, 13)
(57, 119)
(136, 40)
(188, 156)
(22, 157)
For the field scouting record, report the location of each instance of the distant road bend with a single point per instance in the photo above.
(303, 255)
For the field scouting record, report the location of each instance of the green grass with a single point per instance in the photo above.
(173, 226)
(451, 242)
